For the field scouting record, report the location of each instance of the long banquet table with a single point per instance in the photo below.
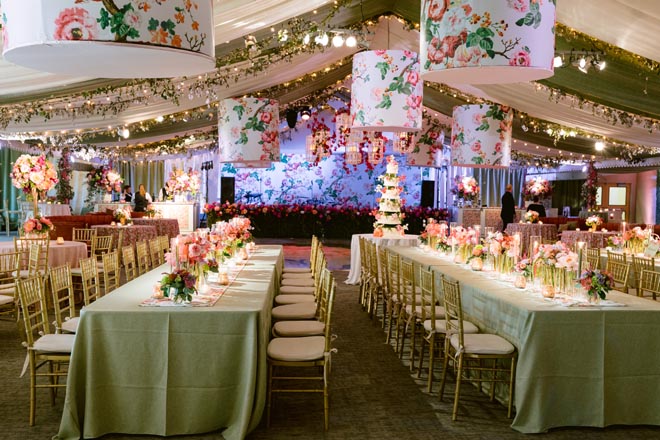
(578, 366)
(173, 370)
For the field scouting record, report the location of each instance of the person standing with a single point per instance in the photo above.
(508, 207)
(142, 199)
(536, 206)
(127, 195)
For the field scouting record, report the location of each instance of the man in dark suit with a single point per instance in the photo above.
(508, 207)
(126, 195)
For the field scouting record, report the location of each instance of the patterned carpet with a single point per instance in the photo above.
(373, 395)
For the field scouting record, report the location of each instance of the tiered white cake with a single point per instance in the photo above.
(388, 217)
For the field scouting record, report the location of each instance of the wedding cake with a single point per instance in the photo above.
(388, 216)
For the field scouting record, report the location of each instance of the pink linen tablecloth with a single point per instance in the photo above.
(131, 234)
(164, 226)
(58, 254)
(526, 230)
(593, 239)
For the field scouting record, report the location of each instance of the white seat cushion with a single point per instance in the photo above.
(441, 326)
(308, 348)
(54, 343)
(439, 310)
(308, 282)
(483, 344)
(71, 325)
(294, 290)
(295, 311)
(76, 271)
(286, 276)
(292, 329)
(293, 299)
(297, 270)
(6, 299)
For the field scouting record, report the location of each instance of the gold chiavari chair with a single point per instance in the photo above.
(101, 244)
(143, 263)
(616, 256)
(394, 301)
(411, 310)
(90, 280)
(649, 283)
(84, 235)
(64, 304)
(23, 245)
(44, 348)
(593, 258)
(110, 274)
(364, 271)
(292, 306)
(128, 257)
(620, 272)
(9, 267)
(639, 264)
(312, 255)
(375, 288)
(164, 241)
(155, 252)
(384, 288)
(468, 351)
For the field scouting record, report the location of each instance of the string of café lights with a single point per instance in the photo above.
(202, 85)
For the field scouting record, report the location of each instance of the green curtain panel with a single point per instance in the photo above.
(151, 174)
(494, 181)
(10, 194)
(567, 193)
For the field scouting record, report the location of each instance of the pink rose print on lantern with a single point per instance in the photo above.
(132, 19)
(519, 5)
(414, 101)
(476, 118)
(377, 92)
(380, 52)
(75, 24)
(409, 54)
(266, 117)
(476, 147)
(498, 147)
(521, 58)
(437, 9)
(269, 137)
(438, 50)
(413, 78)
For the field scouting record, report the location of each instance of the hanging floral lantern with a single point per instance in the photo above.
(403, 142)
(481, 136)
(427, 150)
(353, 155)
(377, 148)
(487, 41)
(248, 132)
(386, 93)
(129, 39)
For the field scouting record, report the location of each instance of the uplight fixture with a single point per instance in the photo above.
(599, 146)
(337, 41)
(351, 41)
(305, 113)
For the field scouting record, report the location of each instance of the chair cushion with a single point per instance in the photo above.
(71, 325)
(308, 348)
(483, 344)
(6, 299)
(305, 310)
(286, 276)
(292, 329)
(296, 270)
(439, 310)
(292, 290)
(307, 282)
(54, 343)
(441, 326)
(293, 299)
(76, 271)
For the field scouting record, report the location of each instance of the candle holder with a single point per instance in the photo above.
(534, 245)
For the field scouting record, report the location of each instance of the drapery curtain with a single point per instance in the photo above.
(151, 174)
(10, 194)
(195, 163)
(492, 183)
(567, 193)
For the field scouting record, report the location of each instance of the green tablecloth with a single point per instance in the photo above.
(592, 366)
(173, 370)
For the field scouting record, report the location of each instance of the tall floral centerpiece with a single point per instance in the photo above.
(182, 183)
(590, 187)
(102, 181)
(63, 187)
(33, 174)
(465, 189)
(537, 187)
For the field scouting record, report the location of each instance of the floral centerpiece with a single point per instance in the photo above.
(123, 215)
(532, 217)
(537, 187)
(466, 188)
(435, 235)
(213, 212)
(634, 239)
(465, 239)
(597, 283)
(554, 265)
(615, 241)
(38, 225)
(502, 248)
(594, 221)
(179, 285)
(182, 182)
(524, 272)
(477, 257)
(103, 180)
(151, 211)
(33, 174)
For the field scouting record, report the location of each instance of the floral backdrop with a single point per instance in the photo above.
(331, 182)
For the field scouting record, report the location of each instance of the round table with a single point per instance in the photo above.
(164, 226)
(58, 254)
(526, 230)
(131, 234)
(593, 239)
(354, 274)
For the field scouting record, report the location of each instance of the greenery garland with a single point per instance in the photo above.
(64, 189)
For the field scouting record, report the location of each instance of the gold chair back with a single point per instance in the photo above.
(90, 280)
(143, 263)
(110, 271)
(616, 256)
(593, 258)
(84, 235)
(61, 286)
(23, 245)
(649, 282)
(164, 241)
(101, 244)
(128, 257)
(639, 264)
(155, 252)
(620, 272)
(34, 308)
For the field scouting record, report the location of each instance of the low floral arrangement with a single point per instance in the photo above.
(532, 217)
(594, 220)
(433, 230)
(479, 251)
(38, 224)
(182, 182)
(524, 267)
(500, 244)
(123, 215)
(538, 187)
(33, 172)
(179, 285)
(465, 188)
(597, 283)
(615, 241)
(151, 211)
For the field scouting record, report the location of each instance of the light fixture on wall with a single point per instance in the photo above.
(599, 146)
(583, 60)
(305, 113)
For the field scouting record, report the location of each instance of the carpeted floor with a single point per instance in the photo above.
(373, 395)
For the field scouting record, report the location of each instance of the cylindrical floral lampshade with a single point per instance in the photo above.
(481, 136)
(427, 148)
(110, 39)
(248, 131)
(386, 93)
(487, 41)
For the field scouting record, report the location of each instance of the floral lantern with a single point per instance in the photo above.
(487, 41)
(481, 136)
(386, 93)
(109, 39)
(248, 132)
(427, 148)
(353, 155)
